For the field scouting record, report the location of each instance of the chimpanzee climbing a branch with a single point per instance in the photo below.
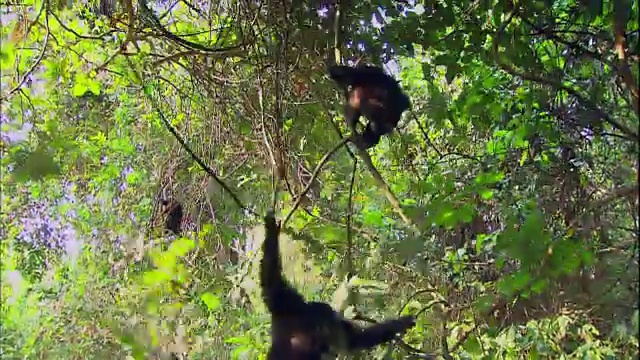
(374, 94)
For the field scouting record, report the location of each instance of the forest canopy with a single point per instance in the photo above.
(143, 142)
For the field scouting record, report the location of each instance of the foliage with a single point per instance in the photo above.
(516, 173)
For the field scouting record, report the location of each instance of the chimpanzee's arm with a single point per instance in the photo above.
(365, 338)
(279, 296)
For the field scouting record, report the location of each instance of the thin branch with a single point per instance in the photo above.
(129, 37)
(619, 12)
(274, 165)
(184, 145)
(197, 159)
(337, 30)
(426, 135)
(176, 56)
(155, 23)
(349, 256)
(78, 35)
(38, 59)
(314, 175)
(395, 203)
(629, 133)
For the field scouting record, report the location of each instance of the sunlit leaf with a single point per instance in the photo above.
(155, 277)
(211, 301)
(7, 54)
(180, 247)
(486, 194)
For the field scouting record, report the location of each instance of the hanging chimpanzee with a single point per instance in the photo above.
(302, 330)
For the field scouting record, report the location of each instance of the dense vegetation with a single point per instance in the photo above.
(503, 212)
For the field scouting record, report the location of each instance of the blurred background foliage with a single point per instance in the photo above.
(516, 173)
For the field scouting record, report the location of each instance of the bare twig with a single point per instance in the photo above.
(395, 203)
(155, 23)
(426, 135)
(78, 35)
(349, 256)
(40, 56)
(186, 147)
(274, 165)
(314, 175)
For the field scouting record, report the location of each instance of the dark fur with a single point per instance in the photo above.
(374, 94)
(303, 330)
(173, 216)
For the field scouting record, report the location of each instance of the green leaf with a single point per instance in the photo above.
(212, 301)
(523, 157)
(489, 178)
(164, 260)
(452, 71)
(35, 165)
(7, 54)
(180, 247)
(122, 145)
(373, 216)
(484, 302)
(481, 239)
(472, 345)
(446, 216)
(53, 69)
(99, 139)
(83, 83)
(521, 279)
(94, 87)
(486, 194)
(539, 285)
(155, 277)
(426, 70)
(466, 212)
(79, 89)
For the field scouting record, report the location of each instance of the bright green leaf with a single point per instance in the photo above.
(489, 178)
(466, 212)
(7, 54)
(486, 194)
(94, 86)
(79, 89)
(155, 277)
(180, 247)
(211, 301)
